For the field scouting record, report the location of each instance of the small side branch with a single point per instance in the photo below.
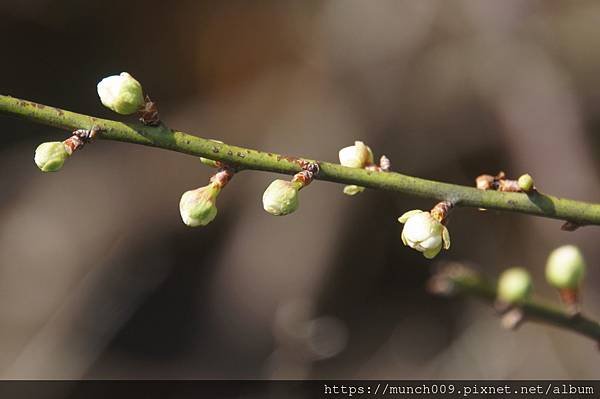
(456, 279)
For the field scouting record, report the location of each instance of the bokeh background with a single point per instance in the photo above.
(99, 278)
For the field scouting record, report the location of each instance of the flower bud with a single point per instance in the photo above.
(565, 267)
(50, 157)
(424, 233)
(353, 190)
(514, 285)
(197, 207)
(525, 182)
(121, 93)
(281, 197)
(358, 155)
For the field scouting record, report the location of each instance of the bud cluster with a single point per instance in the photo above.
(360, 156)
(501, 183)
(424, 231)
(565, 269)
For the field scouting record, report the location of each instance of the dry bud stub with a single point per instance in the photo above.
(501, 183)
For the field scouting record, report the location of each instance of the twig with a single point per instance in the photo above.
(576, 212)
(456, 279)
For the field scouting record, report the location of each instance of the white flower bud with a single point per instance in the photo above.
(424, 233)
(121, 93)
(281, 197)
(197, 207)
(514, 285)
(565, 267)
(358, 155)
(50, 157)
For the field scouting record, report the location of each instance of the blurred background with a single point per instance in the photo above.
(99, 278)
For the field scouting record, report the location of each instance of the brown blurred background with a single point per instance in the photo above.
(99, 278)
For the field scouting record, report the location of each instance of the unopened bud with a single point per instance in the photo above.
(50, 157)
(358, 155)
(353, 190)
(197, 207)
(525, 182)
(565, 267)
(121, 93)
(514, 285)
(281, 197)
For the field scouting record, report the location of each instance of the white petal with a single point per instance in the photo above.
(419, 227)
(432, 242)
(406, 215)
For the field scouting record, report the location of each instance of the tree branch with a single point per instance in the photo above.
(576, 212)
(458, 279)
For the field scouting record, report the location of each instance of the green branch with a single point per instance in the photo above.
(577, 212)
(458, 279)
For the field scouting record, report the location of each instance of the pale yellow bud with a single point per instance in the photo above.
(281, 197)
(565, 267)
(197, 207)
(50, 157)
(121, 93)
(525, 182)
(514, 285)
(358, 155)
(353, 190)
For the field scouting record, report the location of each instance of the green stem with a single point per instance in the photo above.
(580, 213)
(456, 279)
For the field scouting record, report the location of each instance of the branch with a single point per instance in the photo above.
(576, 212)
(458, 279)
